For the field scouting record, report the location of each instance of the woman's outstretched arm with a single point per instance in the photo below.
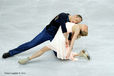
(75, 35)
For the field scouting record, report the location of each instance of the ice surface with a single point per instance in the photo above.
(22, 20)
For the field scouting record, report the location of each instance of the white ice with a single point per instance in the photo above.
(22, 20)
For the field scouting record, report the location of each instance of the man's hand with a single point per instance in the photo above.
(66, 42)
(66, 39)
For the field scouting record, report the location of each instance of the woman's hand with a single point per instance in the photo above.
(68, 53)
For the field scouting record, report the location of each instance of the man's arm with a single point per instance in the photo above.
(62, 17)
(70, 38)
(61, 20)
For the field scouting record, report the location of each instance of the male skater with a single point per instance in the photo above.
(48, 33)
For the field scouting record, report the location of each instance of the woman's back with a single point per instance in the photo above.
(69, 26)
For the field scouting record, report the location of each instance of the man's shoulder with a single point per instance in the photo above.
(63, 14)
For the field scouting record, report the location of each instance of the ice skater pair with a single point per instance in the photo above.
(48, 33)
(64, 51)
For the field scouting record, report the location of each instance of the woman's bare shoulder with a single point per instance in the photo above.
(75, 27)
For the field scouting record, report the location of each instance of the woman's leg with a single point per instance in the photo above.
(37, 54)
(75, 54)
(82, 53)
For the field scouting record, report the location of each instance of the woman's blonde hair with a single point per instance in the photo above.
(83, 33)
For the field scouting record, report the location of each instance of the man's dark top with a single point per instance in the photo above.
(59, 20)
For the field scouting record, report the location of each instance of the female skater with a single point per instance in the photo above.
(64, 51)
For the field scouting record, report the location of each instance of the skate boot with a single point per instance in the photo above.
(84, 54)
(6, 55)
(24, 61)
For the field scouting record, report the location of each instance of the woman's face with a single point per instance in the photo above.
(84, 28)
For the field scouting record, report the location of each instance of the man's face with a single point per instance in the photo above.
(75, 19)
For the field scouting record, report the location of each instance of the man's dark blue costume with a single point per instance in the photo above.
(48, 33)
